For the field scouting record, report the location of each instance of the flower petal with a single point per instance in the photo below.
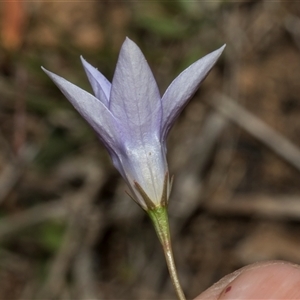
(100, 85)
(146, 166)
(183, 88)
(135, 98)
(91, 109)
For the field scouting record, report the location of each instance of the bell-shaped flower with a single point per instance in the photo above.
(133, 120)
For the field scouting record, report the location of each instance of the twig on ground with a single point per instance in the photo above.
(13, 224)
(84, 275)
(276, 207)
(75, 236)
(186, 191)
(259, 129)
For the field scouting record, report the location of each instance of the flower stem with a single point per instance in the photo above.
(159, 217)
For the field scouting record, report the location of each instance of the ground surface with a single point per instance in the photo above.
(67, 229)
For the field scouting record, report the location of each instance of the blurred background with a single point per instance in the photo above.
(67, 228)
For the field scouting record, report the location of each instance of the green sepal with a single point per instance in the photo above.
(159, 218)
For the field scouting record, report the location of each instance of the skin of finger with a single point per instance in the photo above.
(267, 280)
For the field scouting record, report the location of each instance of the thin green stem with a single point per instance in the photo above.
(159, 217)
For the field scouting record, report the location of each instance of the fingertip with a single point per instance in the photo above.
(268, 280)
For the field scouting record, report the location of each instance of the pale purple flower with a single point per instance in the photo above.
(133, 120)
